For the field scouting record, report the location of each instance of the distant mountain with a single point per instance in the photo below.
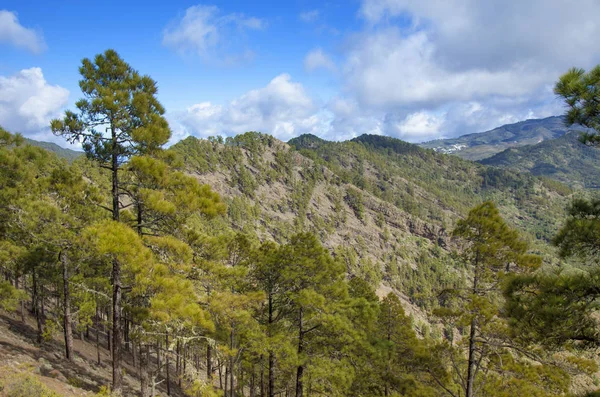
(482, 145)
(564, 159)
(67, 154)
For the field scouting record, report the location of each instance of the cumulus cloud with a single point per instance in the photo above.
(417, 125)
(423, 69)
(28, 102)
(207, 32)
(12, 32)
(317, 59)
(497, 33)
(387, 69)
(428, 68)
(282, 108)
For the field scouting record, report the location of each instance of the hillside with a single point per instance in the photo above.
(383, 205)
(61, 152)
(482, 145)
(564, 159)
(38, 369)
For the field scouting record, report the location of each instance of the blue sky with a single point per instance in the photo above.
(413, 69)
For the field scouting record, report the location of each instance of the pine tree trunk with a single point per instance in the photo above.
(117, 331)
(144, 353)
(262, 377)
(167, 363)
(231, 362)
(300, 369)
(271, 354)
(471, 362)
(470, 390)
(389, 358)
(36, 308)
(68, 331)
(117, 384)
(177, 361)
(98, 344)
(158, 356)
(220, 374)
(226, 379)
(209, 362)
(22, 301)
(183, 361)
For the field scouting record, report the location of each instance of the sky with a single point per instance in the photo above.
(412, 69)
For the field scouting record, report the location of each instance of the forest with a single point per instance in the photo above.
(467, 280)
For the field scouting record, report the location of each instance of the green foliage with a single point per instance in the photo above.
(10, 297)
(580, 91)
(492, 251)
(559, 308)
(354, 199)
(564, 159)
(204, 281)
(116, 95)
(27, 385)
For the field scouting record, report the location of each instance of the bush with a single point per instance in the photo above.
(354, 198)
(10, 296)
(27, 385)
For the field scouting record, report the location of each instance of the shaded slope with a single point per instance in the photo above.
(485, 144)
(564, 159)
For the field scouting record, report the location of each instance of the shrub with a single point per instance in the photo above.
(27, 385)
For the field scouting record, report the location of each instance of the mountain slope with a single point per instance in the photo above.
(564, 159)
(61, 152)
(383, 206)
(485, 144)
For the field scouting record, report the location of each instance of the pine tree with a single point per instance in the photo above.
(118, 117)
(581, 91)
(556, 309)
(491, 250)
(315, 287)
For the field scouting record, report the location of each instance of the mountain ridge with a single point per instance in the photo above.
(67, 154)
(481, 145)
(565, 159)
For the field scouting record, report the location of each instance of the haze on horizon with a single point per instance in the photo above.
(415, 70)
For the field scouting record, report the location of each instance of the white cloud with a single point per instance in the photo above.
(416, 126)
(28, 102)
(282, 108)
(427, 68)
(207, 32)
(12, 32)
(497, 33)
(423, 69)
(387, 69)
(349, 121)
(317, 59)
(309, 16)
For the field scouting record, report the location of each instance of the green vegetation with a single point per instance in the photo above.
(364, 268)
(26, 385)
(564, 159)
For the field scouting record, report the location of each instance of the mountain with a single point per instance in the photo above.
(482, 145)
(61, 152)
(384, 206)
(564, 159)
